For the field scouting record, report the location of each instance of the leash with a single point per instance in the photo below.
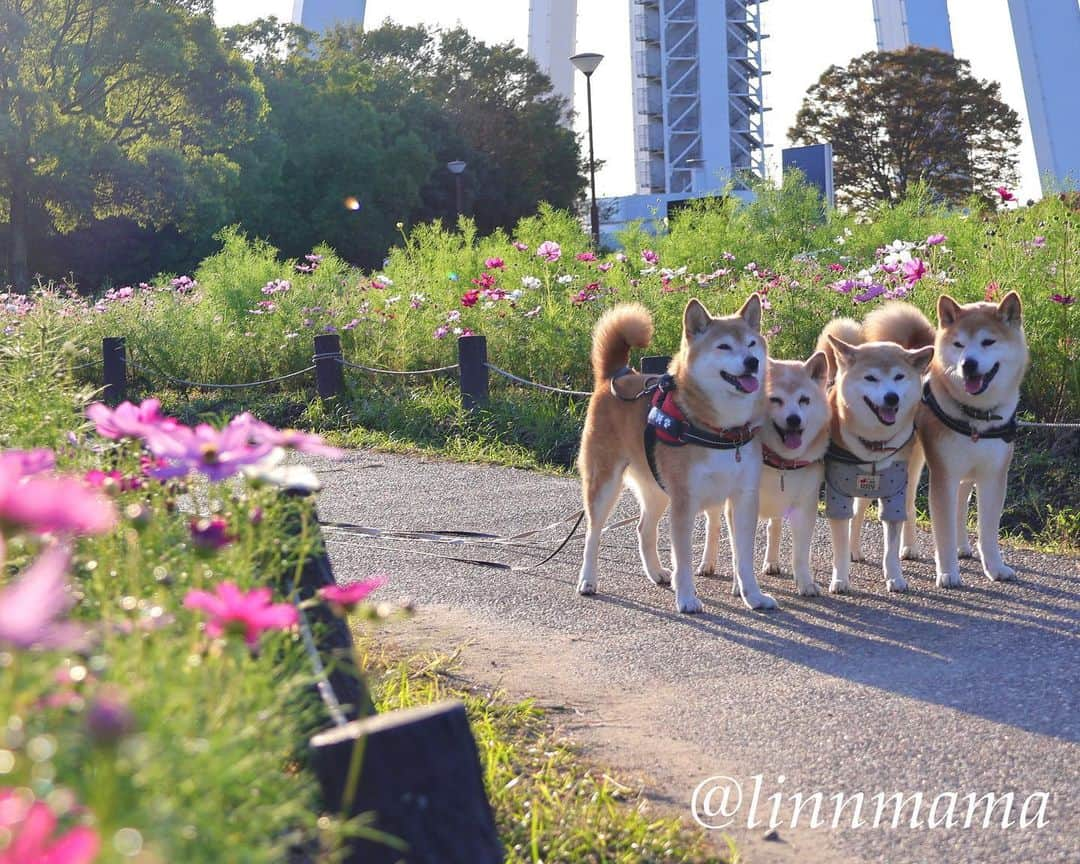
(463, 537)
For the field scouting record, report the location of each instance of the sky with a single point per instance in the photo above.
(805, 37)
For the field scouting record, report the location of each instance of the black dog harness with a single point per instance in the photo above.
(1006, 432)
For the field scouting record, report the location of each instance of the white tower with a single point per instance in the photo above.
(321, 15)
(552, 42)
(901, 23)
(1047, 35)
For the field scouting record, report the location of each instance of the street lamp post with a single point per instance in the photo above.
(457, 167)
(586, 64)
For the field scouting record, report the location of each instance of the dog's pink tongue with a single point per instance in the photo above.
(793, 440)
(888, 414)
(748, 383)
(973, 385)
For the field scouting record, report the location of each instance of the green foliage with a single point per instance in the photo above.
(215, 729)
(896, 118)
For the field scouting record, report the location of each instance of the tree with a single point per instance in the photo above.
(896, 118)
(116, 108)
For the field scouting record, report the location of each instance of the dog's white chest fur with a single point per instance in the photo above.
(717, 473)
(784, 491)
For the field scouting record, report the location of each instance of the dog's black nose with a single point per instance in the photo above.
(891, 399)
(794, 421)
(750, 364)
(970, 367)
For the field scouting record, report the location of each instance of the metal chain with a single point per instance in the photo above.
(1033, 425)
(205, 386)
(375, 370)
(528, 383)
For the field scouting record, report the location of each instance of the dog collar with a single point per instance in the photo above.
(1006, 432)
(836, 453)
(774, 460)
(673, 428)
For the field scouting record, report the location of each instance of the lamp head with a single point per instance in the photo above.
(586, 63)
(455, 167)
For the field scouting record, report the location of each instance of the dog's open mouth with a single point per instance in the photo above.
(742, 383)
(885, 413)
(792, 438)
(976, 384)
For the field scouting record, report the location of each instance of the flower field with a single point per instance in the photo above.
(245, 315)
(151, 675)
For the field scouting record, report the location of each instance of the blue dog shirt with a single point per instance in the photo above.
(845, 481)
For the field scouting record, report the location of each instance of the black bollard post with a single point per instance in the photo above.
(473, 371)
(114, 366)
(329, 373)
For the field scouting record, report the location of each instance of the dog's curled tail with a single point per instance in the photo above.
(846, 330)
(622, 327)
(901, 323)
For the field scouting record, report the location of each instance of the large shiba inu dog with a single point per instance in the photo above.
(693, 443)
(872, 402)
(967, 423)
(793, 441)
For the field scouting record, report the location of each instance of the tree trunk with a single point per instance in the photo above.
(18, 266)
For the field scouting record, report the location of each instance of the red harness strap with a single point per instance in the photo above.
(774, 460)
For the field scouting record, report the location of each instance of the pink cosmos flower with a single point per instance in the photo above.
(872, 291)
(344, 599)
(292, 439)
(29, 826)
(621, 257)
(50, 503)
(441, 332)
(650, 257)
(914, 270)
(1063, 299)
(111, 480)
(494, 263)
(1038, 242)
(33, 607)
(521, 247)
(484, 280)
(936, 239)
(549, 250)
(210, 534)
(836, 268)
(1005, 194)
(27, 462)
(128, 420)
(216, 454)
(585, 256)
(604, 267)
(231, 610)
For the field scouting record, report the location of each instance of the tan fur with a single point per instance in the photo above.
(899, 322)
(956, 462)
(626, 326)
(612, 442)
(846, 329)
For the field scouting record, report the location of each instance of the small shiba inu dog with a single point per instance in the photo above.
(872, 407)
(793, 441)
(693, 444)
(967, 423)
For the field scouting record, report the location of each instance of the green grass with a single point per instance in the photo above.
(551, 804)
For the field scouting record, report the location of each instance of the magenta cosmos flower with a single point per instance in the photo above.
(585, 256)
(1063, 299)
(494, 263)
(28, 462)
(216, 454)
(128, 420)
(210, 534)
(549, 250)
(650, 257)
(231, 610)
(49, 503)
(32, 608)
(521, 247)
(936, 239)
(1005, 194)
(30, 826)
(292, 439)
(913, 270)
(345, 598)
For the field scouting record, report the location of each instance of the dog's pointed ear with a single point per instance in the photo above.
(948, 310)
(843, 352)
(751, 311)
(920, 358)
(696, 318)
(1010, 310)
(817, 367)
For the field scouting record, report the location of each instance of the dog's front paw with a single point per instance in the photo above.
(706, 571)
(964, 550)
(586, 588)
(1001, 573)
(760, 600)
(838, 585)
(857, 556)
(897, 584)
(910, 553)
(771, 568)
(807, 587)
(689, 604)
(949, 579)
(661, 577)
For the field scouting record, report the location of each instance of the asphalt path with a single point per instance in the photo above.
(937, 692)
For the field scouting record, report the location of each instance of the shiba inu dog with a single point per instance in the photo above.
(692, 444)
(793, 441)
(967, 423)
(872, 407)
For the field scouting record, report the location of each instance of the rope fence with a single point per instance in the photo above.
(327, 362)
